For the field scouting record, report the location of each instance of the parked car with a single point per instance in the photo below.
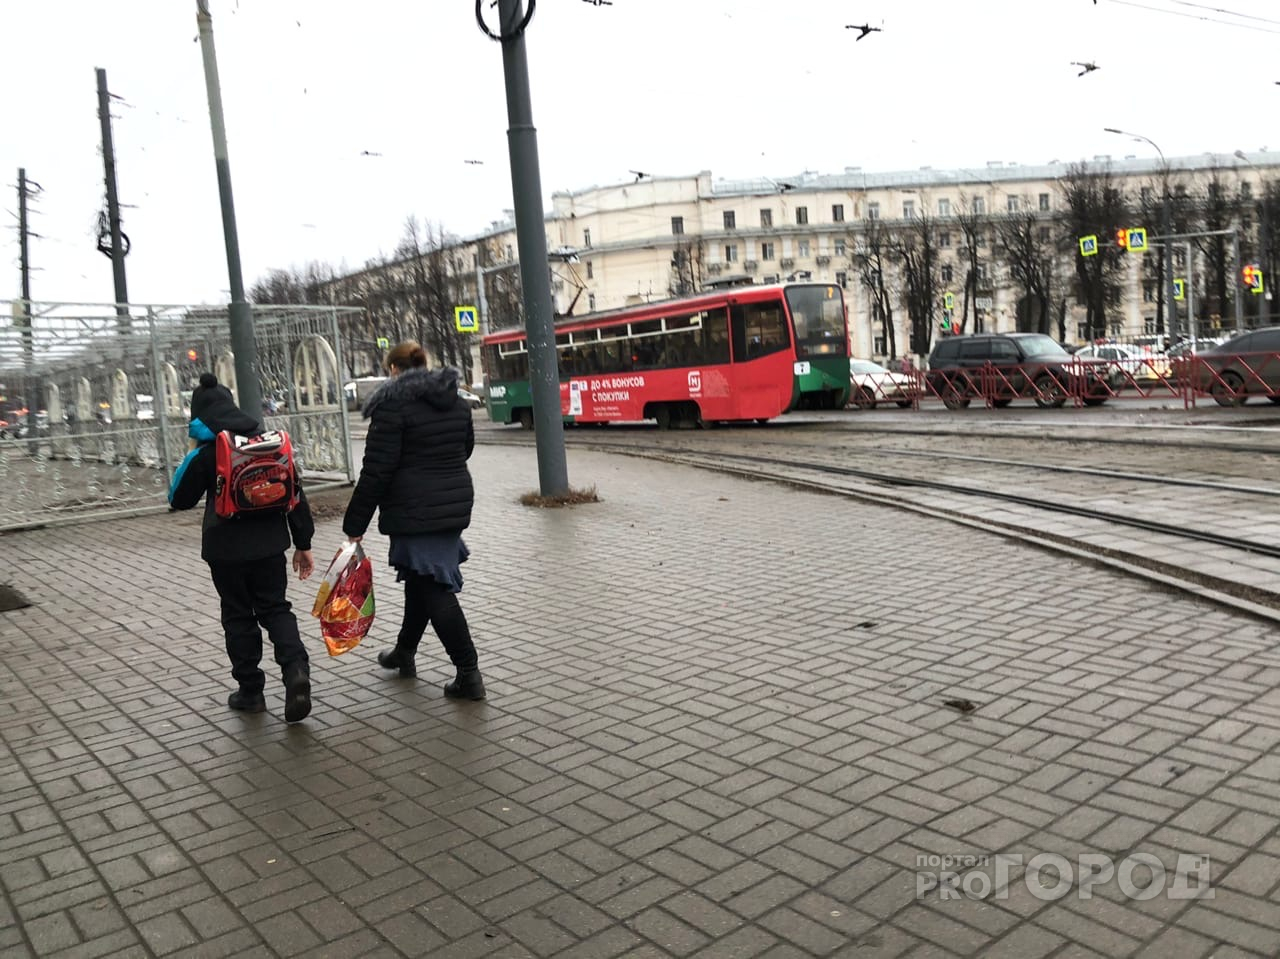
(1012, 365)
(1248, 365)
(1183, 347)
(1127, 364)
(872, 383)
(473, 401)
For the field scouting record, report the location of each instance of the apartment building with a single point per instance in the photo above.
(646, 240)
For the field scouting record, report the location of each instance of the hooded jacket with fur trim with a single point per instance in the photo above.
(415, 457)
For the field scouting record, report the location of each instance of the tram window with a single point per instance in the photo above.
(715, 337)
(758, 330)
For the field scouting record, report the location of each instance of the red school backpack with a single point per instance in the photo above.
(255, 474)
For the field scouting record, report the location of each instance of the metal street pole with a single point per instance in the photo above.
(535, 278)
(1166, 228)
(1239, 294)
(117, 251)
(1264, 231)
(243, 343)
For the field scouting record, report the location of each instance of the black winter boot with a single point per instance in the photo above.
(297, 692)
(467, 685)
(247, 702)
(396, 658)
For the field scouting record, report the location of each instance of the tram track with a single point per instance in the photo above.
(1236, 571)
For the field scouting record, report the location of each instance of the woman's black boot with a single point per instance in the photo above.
(467, 685)
(396, 658)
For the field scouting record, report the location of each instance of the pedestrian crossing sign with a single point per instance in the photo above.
(1089, 245)
(1179, 289)
(466, 319)
(1136, 239)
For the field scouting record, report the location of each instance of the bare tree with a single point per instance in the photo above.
(1029, 252)
(1096, 206)
(915, 247)
(972, 218)
(870, 258)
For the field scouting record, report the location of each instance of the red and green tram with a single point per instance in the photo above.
(736, 354)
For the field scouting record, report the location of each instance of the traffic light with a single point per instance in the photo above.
(193, 355)
(1252, 277)
(1122, 239)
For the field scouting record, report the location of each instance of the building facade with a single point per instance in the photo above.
(874, 234)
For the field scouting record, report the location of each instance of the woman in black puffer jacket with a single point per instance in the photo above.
(415, 474)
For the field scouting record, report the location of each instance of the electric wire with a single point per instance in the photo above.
(1194, 16)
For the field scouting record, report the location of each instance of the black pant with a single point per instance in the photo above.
(426, 601)
(253, 594)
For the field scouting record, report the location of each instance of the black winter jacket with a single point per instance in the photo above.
(415, 457)
(243, 538)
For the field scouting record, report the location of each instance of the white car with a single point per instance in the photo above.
(1127, 363)
(473, 401)
(871, 383)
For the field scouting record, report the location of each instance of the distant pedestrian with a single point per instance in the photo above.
(415, 474)
(246, 560)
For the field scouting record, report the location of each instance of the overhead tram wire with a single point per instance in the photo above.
(1194, 16)
(1230, 13)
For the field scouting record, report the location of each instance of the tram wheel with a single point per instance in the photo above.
(525, 419)
(663, 415)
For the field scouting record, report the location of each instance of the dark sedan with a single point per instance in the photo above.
(1246, 366)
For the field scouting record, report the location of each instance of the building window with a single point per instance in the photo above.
(730, 220)
(677, 225)
(803, 248)
(837, 213)
(873, 210)
(944, 208)
(1044, 234)
(586, 237)
(1246, 190)
(1044, 203)
(1012, 204)
(731, 253)
(908, 209)
(946, 273)
(840, 247)
(979, 205)
(1145, 194)
(880, 348)
(766, 250)
(981, 273)
(1148, 292)
(591, 302)
(510, 253)
(771, 278)
(944, 239)
(766, 218)
(590, 272)
(802, 215)
(842, 279)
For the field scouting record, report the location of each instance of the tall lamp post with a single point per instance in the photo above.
(1166, 228)
(1264, 228)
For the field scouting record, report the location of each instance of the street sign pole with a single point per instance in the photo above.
(531, 238)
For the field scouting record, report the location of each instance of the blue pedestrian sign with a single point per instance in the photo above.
(1179, 289)
(1136, 239)
(466, 319)
(1089, 245)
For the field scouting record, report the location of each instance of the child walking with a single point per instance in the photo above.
(246, 557)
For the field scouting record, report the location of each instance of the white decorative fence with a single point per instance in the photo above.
(95, 406)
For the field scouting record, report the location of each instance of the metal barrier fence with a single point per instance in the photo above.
(94, 406)
(1229, 379)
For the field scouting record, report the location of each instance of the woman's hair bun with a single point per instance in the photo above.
(208, 380)
(418, 357)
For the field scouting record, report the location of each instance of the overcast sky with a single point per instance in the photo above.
(743, 88)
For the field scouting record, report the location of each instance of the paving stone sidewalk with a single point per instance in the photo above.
(716, 727)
